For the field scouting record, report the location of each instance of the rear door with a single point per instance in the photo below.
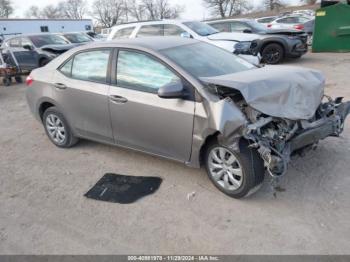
(81, 90)
(140, 118)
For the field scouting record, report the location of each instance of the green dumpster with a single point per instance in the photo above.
(332, 29)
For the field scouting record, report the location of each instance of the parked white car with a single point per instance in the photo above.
(190, 29)
(290, 22)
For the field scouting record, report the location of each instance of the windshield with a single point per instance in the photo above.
(77, 38)
(205, 60)
(201, 28)
(41, 40)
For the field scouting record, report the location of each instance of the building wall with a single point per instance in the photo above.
(9, 27)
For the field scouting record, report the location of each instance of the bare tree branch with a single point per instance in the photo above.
(6, 8)
(108, 12)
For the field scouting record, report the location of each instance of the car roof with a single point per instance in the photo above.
(152, 22)
(154, 43)
(26, 35)
(230, 19)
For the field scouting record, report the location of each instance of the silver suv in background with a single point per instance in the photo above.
(214, 109)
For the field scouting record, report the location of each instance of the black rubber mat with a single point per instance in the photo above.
(123, 189)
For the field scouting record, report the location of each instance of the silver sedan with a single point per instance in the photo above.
(188, 101)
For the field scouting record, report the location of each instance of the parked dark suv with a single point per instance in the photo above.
(33, 51)
(274, 45)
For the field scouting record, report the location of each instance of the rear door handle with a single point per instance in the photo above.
(118, 99)
(60, 86)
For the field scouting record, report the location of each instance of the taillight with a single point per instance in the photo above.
(299, 27)
(29, 80)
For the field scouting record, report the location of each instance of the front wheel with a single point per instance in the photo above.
(234, 173)
(272, 54)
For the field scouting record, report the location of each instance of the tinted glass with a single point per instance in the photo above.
(41, 40)
(288, 20)
(201, 28)
(206, 60)
(151, 30)
(66, 69)
(16, 42)
(77, 38)
(173, 30)
(222, 27)
(124, 33)
(26, 42)
(141, 72)
(266, 20)
(239, 27)
(91, 66)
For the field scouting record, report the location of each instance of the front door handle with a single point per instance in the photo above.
(60, 86)
(118, 99)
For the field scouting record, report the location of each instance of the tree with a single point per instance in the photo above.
(51, 12)
(33, 12)
(309, 2)
(6, 8)
(161, 9)
(273, 4)
(108, 12)
(73, 9)
(135, 10)
(227, 8)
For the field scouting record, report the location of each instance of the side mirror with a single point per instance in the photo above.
(247, 31)
(186, 35)
(28, 47)
(172, 90)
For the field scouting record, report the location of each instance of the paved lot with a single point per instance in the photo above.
(43, 211)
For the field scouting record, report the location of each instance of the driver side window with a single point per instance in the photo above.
(141, 72)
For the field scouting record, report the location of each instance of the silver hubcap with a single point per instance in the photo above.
(225, 168)
(55, 128)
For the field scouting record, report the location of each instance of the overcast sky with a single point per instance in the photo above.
(194, 9)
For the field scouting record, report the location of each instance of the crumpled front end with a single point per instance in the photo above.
(277, 139)
(281, 114)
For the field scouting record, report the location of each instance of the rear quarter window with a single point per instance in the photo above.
(123, 33)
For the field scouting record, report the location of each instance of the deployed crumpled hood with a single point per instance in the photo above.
(239, 37)
(280, 91)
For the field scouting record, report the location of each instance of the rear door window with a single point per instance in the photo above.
(151, 30)
(89, 66)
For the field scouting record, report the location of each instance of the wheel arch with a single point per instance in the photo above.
(275, 41)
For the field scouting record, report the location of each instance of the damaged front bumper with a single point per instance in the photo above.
(303, 135)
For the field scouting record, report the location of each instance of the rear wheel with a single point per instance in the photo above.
(7, 81)
(234, 173)
(57, 128)
(272, 54)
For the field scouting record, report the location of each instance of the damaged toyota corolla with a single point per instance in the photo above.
(189, 101)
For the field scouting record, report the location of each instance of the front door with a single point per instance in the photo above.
(140, 118)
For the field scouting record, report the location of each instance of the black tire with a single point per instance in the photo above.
(7, 81)
(18, 79)
(252, 168)
(272, 54)
(43, 62)
(69, 139)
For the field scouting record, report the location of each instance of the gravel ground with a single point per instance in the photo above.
(43, 210)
